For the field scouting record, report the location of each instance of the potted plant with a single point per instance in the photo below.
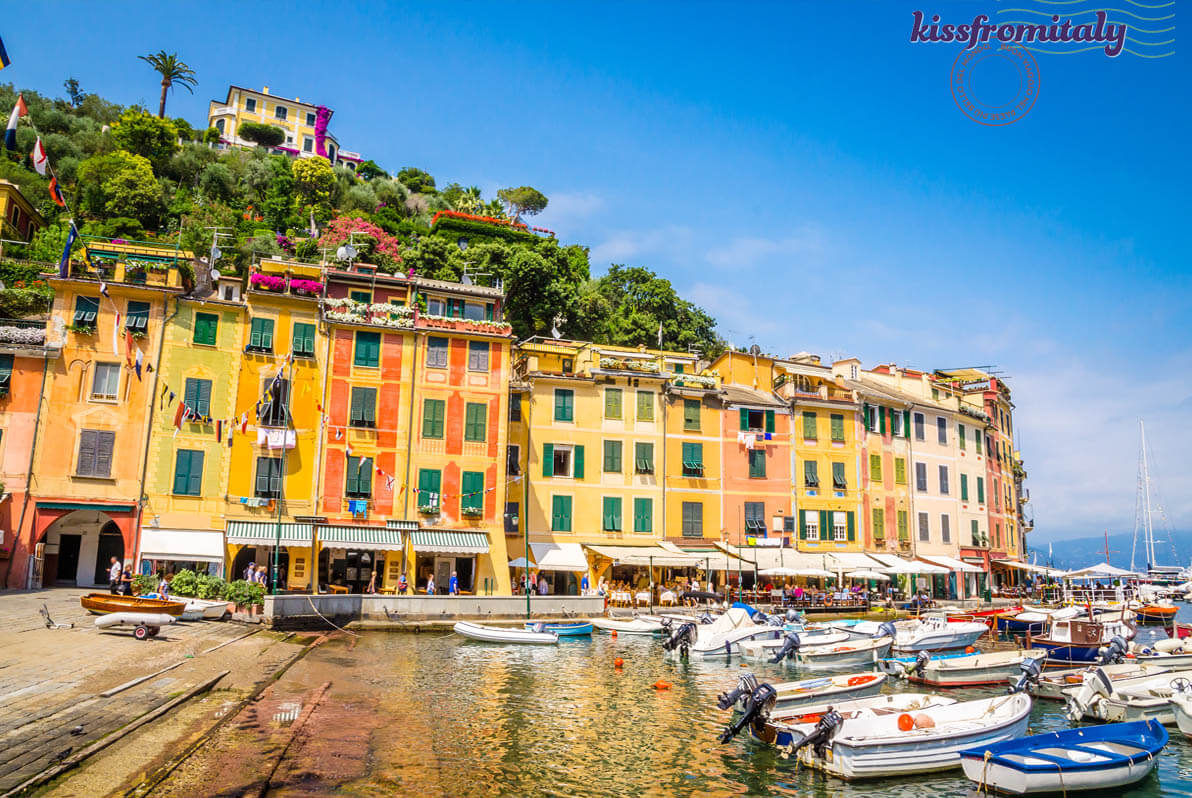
(472, 512)
(428, 509)
(267, 282)
(306, 287)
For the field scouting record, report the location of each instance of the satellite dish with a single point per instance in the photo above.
(346, 252)
(462, 244)
(755, 350)
(215, 275)
(216, 254)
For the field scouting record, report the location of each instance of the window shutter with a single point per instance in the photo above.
(578, 458)
(267, 333)
(196, 473)
(964, 487)
(769, 421)
(744, 418)
(104, 443)
(548, 459)
(181, 471)
(906, 423)
(205, 397)
(852, 526)
(865, 417)
(881, 417)
(825, 525)
(802, 525)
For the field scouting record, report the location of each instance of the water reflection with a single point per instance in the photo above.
(465, 718)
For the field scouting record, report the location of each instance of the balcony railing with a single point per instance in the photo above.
(22, 332)
(426, 320)
(380, 314)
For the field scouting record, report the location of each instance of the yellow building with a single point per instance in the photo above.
(298, 119)
(186, 481)
(271, 489)
(19, 220)
(99, 400)
(587, 437)
(692, 460)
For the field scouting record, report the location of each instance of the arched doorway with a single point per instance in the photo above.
(79, 547)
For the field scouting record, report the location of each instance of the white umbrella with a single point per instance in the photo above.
(779, 571)
(520, 562)
(813, 572)
(867, 575)
(1101, 570)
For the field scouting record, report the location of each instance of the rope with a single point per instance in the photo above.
(982, 786)
(311, 602)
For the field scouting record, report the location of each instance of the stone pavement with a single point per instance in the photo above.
(51, 679)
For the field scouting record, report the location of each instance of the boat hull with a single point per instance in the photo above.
(979, 669)
(583, 629)
(1181, 710)
(1068, 653)
(493, 634)
(941, 641)
(845, 656)
(635, 626)
(1054, 684)
(826, 690)
(104, 603)
(1156, 616)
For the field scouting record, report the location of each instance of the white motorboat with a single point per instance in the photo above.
(628, 626)
(1098, 698)
(937, 634)
(197, 609)
(722, 637)
(973, 670)
(854, 653)
(1053, 684)
(765, 650)
(503, 634)
(1181, 710)
(822, 690)
(1073, 760)
(881, 745)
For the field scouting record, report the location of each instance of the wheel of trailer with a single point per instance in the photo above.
(153, 630)
(141, 632)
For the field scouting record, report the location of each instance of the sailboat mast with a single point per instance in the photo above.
(1147, 520)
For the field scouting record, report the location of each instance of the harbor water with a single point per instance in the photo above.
(454, 717)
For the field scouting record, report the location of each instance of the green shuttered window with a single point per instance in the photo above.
(612, 457)
(206, 328)
(611, 515)
(643, 458)
(471, 500)
(197, 396)
(693, 519)
(612, 403)
(980, 490)
(429, 482)
(645, 405)
(564, 404)
(837, 427)
(875, 468)
(304, 340)
(268, 482)
(368, 349)
(879, 523)
(693, 459)
(363, 410)
(691, 415)
(433, 412)
(188, 472)
(809, 430)
(260, 335)
(475, 422)
(358, 477)
(811, 473)
(757, 464)
(643, 516)
(560, 514)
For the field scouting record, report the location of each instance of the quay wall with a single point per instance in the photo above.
(303, 611)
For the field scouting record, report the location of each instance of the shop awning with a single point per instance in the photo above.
(1026, 566)
(712, 559)
(375, 538)
(952, 564)
(559, 557)
(767, 557)
(200, 545)
(644, 555)
(265, 533)
(442, 541)
(852, 561)
(893, 564)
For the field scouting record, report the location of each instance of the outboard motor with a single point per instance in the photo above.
(540, 627)
(921, 660)
(887, 629)
(745, 686)
(792, 616)
(682, 639)
(1113, 652)
(1030, 676)
(1094, 687)
(822, 734)
(756, 713)
(790, 645)
(706, 618)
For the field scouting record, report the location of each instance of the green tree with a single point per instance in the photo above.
(369, 170)
(120, 184)
(536, 292)
(265, 135)
(639, 300)
(172, 71)
(141, 133)
(416, 180)
(185, 130)
(279, 199)
(216, 182)
(523, 200)
(73, 93)
(313, 180)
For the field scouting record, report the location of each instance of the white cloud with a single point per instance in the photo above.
(566, 208)
(627, 246)
(806, 242)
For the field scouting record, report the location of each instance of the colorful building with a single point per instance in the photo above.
(298, 119)
(693, 412)
(89, 465)
(19, 220)
(885, 458)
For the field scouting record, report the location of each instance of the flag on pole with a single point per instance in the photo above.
(140, 362)
(10, 134)
(56, 193)
(178, 414)
(64, 264)
(4, 61)
(40, 159)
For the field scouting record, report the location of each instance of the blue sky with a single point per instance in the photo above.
(800, 170)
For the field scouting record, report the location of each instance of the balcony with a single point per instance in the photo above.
(290, 278)
(22, 332)
(427, 321)
(378, 314)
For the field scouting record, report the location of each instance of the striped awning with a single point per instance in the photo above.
(651, 555)
(406, 525)
(265, 533)
(441, 541)
(376, 538)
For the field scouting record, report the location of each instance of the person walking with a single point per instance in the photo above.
(250, 573)
(430, 584)
(114, 572)
(453, 585)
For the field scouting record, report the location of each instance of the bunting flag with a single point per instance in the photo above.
(4, 60)
(39, 157)
(10, 134)
(139, 363)
(64, 264)
(115, 331)
(172, 395)
(231, 432)
(103, 289)
(244, 424)
(178, 414)
(56, 193)
(219, 431)
(128, 347)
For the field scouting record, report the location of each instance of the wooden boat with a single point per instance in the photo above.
(883, 744)
(104, 603)
(1098, 698)
(852, 654)
(499, 634)
(1074, 760)
(822, 690)
(1156, 613)
(973, 670)
(562, 629)
(987, 617)
(1052, 684)
(631, 626)
(1179, 630)
(1074, 641)
(1034, 619)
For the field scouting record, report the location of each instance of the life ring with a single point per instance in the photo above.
(827, 601)
(865, 679)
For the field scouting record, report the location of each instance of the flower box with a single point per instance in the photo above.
(81, 329)
(306, 287)
(428, 509)
(267, 282)
(472, 512)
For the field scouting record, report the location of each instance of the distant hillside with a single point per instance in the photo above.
(1079, 552)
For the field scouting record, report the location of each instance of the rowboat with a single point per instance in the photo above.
(987, 616)
(972, 670)
(898, 666)
(1098, 698)
(1093, 758)
(767, 649)
(499, 634)
(1052, 684)
(1156, 613)
(1180, 630)
(1071, 640)
(104, 603)
(822, 690)
(852, 654)
(1181, 710)
(632, 626)
(1034, 619)
(885, 744)
(562, 629)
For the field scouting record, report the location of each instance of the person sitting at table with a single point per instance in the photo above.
(430, 584)
(402, 586)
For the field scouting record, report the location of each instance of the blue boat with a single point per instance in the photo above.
(896, 666)
(1089, 758)
(564, 629)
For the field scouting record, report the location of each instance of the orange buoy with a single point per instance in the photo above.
(905, 722)
(1130, 655)
(618, 663)
(969, 649)
(613, 633)
(661, 685)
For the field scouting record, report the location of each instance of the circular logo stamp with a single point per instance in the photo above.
(994, 83)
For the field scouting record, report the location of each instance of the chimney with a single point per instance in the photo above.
(297, 99)
(265, 90)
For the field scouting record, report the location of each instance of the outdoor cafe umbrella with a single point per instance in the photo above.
(779, 571)
(813, 572)
(867, 575)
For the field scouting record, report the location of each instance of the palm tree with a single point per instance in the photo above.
(172, 71)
